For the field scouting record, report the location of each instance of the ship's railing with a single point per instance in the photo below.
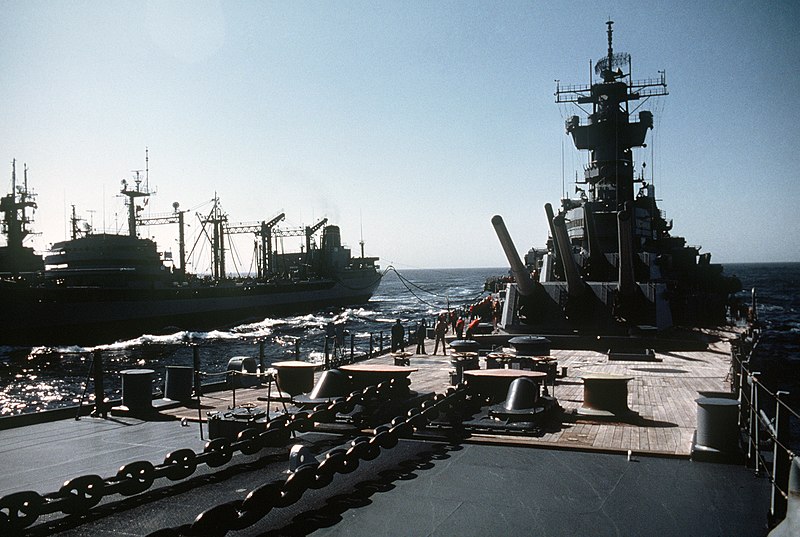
(583, 121)
(327, 352)
(764, 418)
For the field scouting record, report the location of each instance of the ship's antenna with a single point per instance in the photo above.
(652, 160)
(563, 180)
(610, 48)
(146, 168)
(361, 225)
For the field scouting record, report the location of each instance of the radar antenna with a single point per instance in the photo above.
(610, 67)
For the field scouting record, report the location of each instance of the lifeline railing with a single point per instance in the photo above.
(764, 416)
(334, 351)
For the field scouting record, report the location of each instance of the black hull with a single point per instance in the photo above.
(91, 315)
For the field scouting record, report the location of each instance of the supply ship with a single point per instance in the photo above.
(98, 287)
(611, 264)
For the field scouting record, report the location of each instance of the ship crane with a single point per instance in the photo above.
(307, 232)
(264, 231)
(175, 217)
(218, 220)
(311, 230)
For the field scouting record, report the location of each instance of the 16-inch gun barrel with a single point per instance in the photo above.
(525, 283)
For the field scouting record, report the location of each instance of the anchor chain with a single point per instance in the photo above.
(78, 495)
(239, 514)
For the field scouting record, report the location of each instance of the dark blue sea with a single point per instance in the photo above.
(777, 287)
(34, 379)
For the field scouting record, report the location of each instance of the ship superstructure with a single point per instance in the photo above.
(16, 259)
(611, 261)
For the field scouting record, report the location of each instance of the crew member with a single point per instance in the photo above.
(398, 337)
(439, 331)
(472, 326)
(422, 330)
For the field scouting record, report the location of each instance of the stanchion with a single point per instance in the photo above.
(197, 386)
(781, 462)
(99, 389)
(85, 387)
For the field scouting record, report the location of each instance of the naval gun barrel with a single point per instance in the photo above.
(627, 280)
(575, 285)
(525, 283)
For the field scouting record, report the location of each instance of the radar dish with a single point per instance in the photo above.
(618, 60)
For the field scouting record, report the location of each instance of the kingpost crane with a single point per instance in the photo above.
(175, 217)
(267, 230)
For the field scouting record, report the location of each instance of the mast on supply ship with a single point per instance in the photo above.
(14, 257)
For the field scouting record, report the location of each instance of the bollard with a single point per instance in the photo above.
(240, 372)
(717, 431)
(178, 383)
(137, 390)
(99, 389)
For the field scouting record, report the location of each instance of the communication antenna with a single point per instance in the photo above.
(361, 225)
(563, 181)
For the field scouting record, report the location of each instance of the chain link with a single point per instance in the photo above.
(78, 495)
(238, 514)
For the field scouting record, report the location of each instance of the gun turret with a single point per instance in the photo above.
(525, 284)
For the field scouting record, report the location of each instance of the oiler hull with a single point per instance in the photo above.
(90, 315)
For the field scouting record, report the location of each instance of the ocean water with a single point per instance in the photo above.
(40, 378)
(34, 379)
(777, 356)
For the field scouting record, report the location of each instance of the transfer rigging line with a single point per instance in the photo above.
(406, 282)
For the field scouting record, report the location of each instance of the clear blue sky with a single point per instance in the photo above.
(419, 119)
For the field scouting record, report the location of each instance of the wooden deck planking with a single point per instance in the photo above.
(662, 394)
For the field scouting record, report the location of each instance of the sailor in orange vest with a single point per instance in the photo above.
(472, 326)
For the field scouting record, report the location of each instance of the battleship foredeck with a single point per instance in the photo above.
(481, 484)
(662, 394)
